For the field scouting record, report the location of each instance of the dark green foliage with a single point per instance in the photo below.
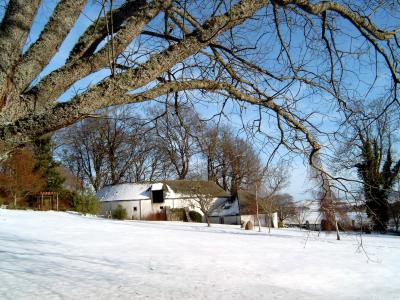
(68, 197)
(44, 160)
(119, 213)
(195, 216)
(395, 214)
(85, 203)
(377, 180)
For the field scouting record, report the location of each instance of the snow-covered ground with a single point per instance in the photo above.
(54, 255)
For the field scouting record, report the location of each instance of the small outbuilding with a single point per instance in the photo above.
(248, 211)
(225, 211)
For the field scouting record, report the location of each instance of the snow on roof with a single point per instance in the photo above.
(125, 191)
(225, 207)
(157, 187)
(188, 187)
(175, 189)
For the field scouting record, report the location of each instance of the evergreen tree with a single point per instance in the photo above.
(378, 172)
(44, 160)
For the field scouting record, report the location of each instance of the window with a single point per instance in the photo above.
(161, 207)
(157, 196)
(135, 208)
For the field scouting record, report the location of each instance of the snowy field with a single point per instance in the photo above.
(54, 255)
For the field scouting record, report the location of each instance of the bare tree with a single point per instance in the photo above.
(203, 200)
(232, 162)
(111, 149)
(175, 128)
(275, 179)
(84, 152)
(284, 206)
(301, 213)
(242, 50)
(209, 147)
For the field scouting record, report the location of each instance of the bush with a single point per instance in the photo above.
(66, 199)
(249, 225)
(119, 213)
(177, 214)
(195, 216)
(12, 206)
(86, 203)
(325, 225)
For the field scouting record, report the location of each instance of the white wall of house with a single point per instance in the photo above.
(140, 209)
(230, 220)
(264, 220)
(141, 200)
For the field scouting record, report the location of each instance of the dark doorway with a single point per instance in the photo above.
(157, 196)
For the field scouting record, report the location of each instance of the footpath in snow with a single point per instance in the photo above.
(56, 255)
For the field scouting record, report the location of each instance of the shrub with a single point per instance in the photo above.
(177, 214)
(86, 203)
(195, 216)
(11, 205)
(66, 199)
(249, 225)
(326, 225)
(119, 213)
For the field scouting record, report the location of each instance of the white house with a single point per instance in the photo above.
(144, 200)
(225, 211)
(246, 202)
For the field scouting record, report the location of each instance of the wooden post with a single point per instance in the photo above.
(258, 217)
(41, 206)
(57, 200)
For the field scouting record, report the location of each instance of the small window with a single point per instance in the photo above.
(135, 208)
(161, 207)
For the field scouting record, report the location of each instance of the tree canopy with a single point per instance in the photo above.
(292, 59)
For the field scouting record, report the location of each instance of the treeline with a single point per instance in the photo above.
(162, 143)
(28, 171)
(31, 170)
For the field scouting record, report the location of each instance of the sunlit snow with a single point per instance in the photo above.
(56, 255)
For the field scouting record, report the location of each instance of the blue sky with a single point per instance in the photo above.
(326, 119)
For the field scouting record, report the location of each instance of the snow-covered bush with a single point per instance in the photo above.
(119, 213)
